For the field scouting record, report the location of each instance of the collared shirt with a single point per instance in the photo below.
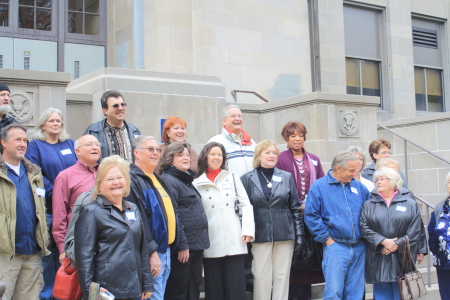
(125, 206)
(69, 184)
(26, 220)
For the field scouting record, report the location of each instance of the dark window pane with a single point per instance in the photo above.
(76, 5)
(26, 2)
(352, 75)
(4, 17)
(421, 102)
(370, 72)
(91, 6)
(419, 85)
(75, 23)
(44, 19)
(44, 3)
(434, 90)
(4, 1)
(26, 17)
(91, 24)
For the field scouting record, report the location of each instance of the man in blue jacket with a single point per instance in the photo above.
(332, 216)
(115, 135)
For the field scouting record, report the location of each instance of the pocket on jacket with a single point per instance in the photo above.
(340, 226)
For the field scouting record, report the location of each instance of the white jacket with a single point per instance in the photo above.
(224, 228)
(240, 157)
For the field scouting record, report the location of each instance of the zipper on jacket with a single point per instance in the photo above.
(349, 209)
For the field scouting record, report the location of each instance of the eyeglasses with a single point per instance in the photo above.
(91, 145)
(235, 116)
(112, 179)
(381, 179)
(385, 153)
(116, 106)
(182, 155)
(151, 149)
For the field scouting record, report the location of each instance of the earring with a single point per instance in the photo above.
(99, 192)
(258, 160)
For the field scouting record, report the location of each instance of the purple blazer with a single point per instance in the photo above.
(287, 163)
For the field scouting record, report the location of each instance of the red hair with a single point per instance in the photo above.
(169, 123)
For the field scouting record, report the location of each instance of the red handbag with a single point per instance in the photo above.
(66, 285)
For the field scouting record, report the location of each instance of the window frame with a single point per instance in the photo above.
(380, 76)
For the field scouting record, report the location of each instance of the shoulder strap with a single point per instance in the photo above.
(236, 201)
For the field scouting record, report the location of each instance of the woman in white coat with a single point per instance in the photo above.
(224, 260)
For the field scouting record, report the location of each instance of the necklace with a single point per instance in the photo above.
(269, 183)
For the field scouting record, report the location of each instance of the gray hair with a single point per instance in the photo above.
(226, 108)
(40, 133)
(386, 161)
(446, 177)
(169, 153)
(137, 143)
(358, 149)
(341, 160)
(394, 177)
(4, 133)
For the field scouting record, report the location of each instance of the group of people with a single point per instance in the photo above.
(143, 219)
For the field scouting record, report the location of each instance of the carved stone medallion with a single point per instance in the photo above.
(348, 123)
(21, 108)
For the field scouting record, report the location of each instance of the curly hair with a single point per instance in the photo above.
(169, 123)
(374, 147)
(292, 128)
(107, 164)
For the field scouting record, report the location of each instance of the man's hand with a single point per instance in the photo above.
(155, 264)
(62, 256)
(146, 295)
(183, 256)
(330, 241)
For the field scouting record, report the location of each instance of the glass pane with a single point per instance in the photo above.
(44, 19)
(26, 17)
(91, 24)
(4, 17)
(76, 5)
(419, 83)
(92, 6)
(75, 23)
(4, 1)
(434, 90)
(26, 2)
(370, 71)
(352, 74)
(44, 3)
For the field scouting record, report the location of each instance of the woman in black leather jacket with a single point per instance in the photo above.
(385, 221)
(110, 245)
(278, 222)
(187, 259)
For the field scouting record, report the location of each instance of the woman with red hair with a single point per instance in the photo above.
(174, 130)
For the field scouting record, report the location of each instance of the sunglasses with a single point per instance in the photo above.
(116, 106)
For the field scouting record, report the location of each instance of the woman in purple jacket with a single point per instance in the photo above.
(305, 169)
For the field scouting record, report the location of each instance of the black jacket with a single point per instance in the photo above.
(110, 249)
(192, 216)
(140, 184)
(378, 222)
(280, 218)
(6, 120)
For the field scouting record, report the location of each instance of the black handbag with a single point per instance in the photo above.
(310, 257)
(237, 208)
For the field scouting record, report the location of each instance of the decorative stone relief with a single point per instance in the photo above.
(348, 123)
(21, 108)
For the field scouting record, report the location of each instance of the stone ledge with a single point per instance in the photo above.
(78, 98)
(30, 77)
(420, 120)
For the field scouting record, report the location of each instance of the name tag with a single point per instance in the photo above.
(276, 178)
(314, 162)
(66, 151)
(354, 190)
(40, 192)
(440, 225)
(401, 208)
(226, 186)
(130, 215)
(136, 135)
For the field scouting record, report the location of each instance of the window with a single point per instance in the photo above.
(362, 51)
(35, 14)
(26, 63)
(84, 17)
(1, 61)
(428, 66)
(4, 13)
(76, 69)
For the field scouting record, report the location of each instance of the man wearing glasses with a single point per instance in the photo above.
(114, 133)
(153, 199)
(71, 183)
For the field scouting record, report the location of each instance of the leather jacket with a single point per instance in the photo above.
(280, 218)
(111, 249)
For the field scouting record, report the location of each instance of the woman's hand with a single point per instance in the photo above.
(183, 256)
(62, 256)
(389, 246)
(155, 264)
(246, 239)
(420, 257)
(146, 295)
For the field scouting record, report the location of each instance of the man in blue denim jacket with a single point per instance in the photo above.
(332, 216)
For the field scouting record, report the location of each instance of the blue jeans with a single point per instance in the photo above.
(343, 268)
(50, 265)
(160, 281)
(386, 291)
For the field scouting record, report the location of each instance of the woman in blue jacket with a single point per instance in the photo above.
(439, 241)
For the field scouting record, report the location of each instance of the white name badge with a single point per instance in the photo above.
(401, 208)
(66, 151)
(226, 186)
(40, 192)
(136, 135)
(354, 190)
(276, 178)
(314, 162)
(440, 225)
(130, 215)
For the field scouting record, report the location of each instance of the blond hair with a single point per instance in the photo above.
(260, 147)
(107, 164)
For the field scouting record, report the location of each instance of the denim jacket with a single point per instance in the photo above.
(333, 209)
